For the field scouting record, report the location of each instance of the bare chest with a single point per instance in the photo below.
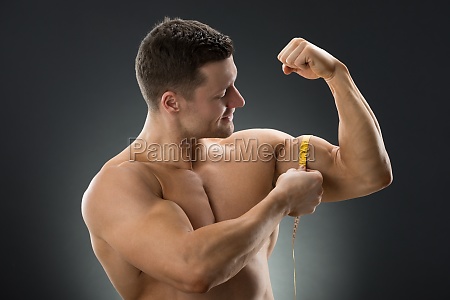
(218, 191)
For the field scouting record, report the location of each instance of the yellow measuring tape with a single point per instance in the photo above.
(303, 155)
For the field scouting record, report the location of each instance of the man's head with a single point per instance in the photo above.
(170, 56)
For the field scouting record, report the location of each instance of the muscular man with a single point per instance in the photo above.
(191, 210)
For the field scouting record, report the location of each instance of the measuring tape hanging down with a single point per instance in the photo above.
(303, 155)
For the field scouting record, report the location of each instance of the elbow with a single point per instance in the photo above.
(196, 280)
(200, 269)
(196, 272)
(385, 175)
(384, 180)
(197, 285)
(379, 178)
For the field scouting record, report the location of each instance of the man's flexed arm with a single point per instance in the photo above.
(360, 161)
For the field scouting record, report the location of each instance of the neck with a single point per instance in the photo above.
(162, 141)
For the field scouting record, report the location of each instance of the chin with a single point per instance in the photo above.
(223, 136)
(220, 134)
(226, 133)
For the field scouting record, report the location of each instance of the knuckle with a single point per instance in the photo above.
(319, 176)
(299, 61)
(319, 200)
(308, 46)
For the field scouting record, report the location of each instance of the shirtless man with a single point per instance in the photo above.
(191, 210)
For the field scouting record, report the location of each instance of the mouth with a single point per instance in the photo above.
(228, 116)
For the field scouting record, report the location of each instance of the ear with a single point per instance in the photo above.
(170, 102)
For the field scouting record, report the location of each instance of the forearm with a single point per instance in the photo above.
(361, 147)
(223, 249)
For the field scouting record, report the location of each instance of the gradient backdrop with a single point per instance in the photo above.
(70, 101)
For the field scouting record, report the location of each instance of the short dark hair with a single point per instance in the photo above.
(170, 55)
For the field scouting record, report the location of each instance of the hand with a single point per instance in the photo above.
(301, 189)
(307, 60)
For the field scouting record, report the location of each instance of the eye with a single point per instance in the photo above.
(223, 95)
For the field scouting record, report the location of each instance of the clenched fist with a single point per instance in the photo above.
(307, 60)
(302, 190)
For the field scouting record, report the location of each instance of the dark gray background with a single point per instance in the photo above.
(70, 101)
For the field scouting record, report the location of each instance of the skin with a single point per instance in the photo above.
(204, 225)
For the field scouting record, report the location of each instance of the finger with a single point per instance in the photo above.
(286, 55)
(295, 59)
(319, 200)
(286, 69)
(282, 52)
(286, 51)
(293, 44)
(316, 173)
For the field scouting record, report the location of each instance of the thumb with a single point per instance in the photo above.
(301, 168)
(287, 70)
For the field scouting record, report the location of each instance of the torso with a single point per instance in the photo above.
(218, 188)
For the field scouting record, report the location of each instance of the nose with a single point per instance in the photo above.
(235, 98)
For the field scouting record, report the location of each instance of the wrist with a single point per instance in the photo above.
(339, 70)
(341, 80)
(279, 197)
